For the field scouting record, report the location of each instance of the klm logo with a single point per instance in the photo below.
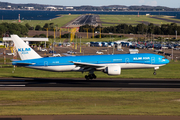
(24, 50)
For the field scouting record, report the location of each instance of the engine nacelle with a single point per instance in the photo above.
(113, 70)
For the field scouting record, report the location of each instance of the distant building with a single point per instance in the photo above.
(69, 8)
(60, 8)
(8, 7)
(51, 8)
(29, 8)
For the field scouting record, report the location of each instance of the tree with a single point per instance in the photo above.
(3, 30)
(38, 28)
(28, 26)
(157, 30)
(141, 28)
(42, 35)
(131, 29)
(151, 28)
(46, 25)
(12, 28)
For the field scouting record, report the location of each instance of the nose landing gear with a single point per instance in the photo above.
(156, 68)
(154, 73)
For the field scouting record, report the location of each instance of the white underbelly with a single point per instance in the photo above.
(64, 68)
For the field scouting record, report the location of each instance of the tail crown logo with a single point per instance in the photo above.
(24, 50)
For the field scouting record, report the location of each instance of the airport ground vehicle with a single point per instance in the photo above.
(43, 49)
(110, 64)
(99, 52)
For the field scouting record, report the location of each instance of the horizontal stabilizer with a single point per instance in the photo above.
(14, 60)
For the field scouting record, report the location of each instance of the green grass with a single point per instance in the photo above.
(59, 21)
(89, 103)
(129, 19)
(170, 71)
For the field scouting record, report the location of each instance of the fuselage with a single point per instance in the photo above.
(126, 61)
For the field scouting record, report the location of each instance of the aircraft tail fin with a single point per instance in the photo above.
(25, 51)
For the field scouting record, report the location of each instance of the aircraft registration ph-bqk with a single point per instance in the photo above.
(110, 64)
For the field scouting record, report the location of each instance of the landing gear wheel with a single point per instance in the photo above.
(154, 73)
(94, 76)
(87, 77)
(90, 76)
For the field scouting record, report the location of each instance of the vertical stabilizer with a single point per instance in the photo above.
(25, 51)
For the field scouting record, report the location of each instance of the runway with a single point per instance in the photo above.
(85, 19)
(62, 84)
(98, 84)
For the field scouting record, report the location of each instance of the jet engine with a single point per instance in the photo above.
(113, 70)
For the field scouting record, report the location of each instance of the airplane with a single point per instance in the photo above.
(109, 64)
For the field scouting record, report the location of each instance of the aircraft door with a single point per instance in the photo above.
(127, 60)
(152, 60)
(45, 63)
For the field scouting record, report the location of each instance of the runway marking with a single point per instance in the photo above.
(12, 85)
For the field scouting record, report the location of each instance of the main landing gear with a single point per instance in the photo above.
(90, 76)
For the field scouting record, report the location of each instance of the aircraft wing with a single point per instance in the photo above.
(88, 66)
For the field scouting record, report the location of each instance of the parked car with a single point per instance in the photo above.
(168, 54)
(10, 53)
(52, 51)
(71, 52)
(56, 55)
(160, 52)
(99, 52)
(43, 49)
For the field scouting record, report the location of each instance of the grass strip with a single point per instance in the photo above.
(89, 103)
(130, 19)
(60, 21)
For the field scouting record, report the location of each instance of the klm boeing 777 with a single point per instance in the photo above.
(110, 64)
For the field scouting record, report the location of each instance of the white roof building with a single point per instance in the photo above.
(69, 7)
(52, 8)
(26, 39)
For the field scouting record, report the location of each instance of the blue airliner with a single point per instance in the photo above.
(110, 64)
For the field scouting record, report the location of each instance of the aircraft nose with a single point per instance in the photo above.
(166, 61)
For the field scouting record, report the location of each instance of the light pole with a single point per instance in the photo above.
(172, 53)
(80, 44)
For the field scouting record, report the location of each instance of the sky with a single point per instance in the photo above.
(168, 3)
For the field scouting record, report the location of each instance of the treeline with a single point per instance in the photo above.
(164, 29)
(50, 26)
(6, 29)
(51, 36)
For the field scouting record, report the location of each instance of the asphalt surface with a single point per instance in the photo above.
(168, 20)
(86, 19)
(98, 84)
